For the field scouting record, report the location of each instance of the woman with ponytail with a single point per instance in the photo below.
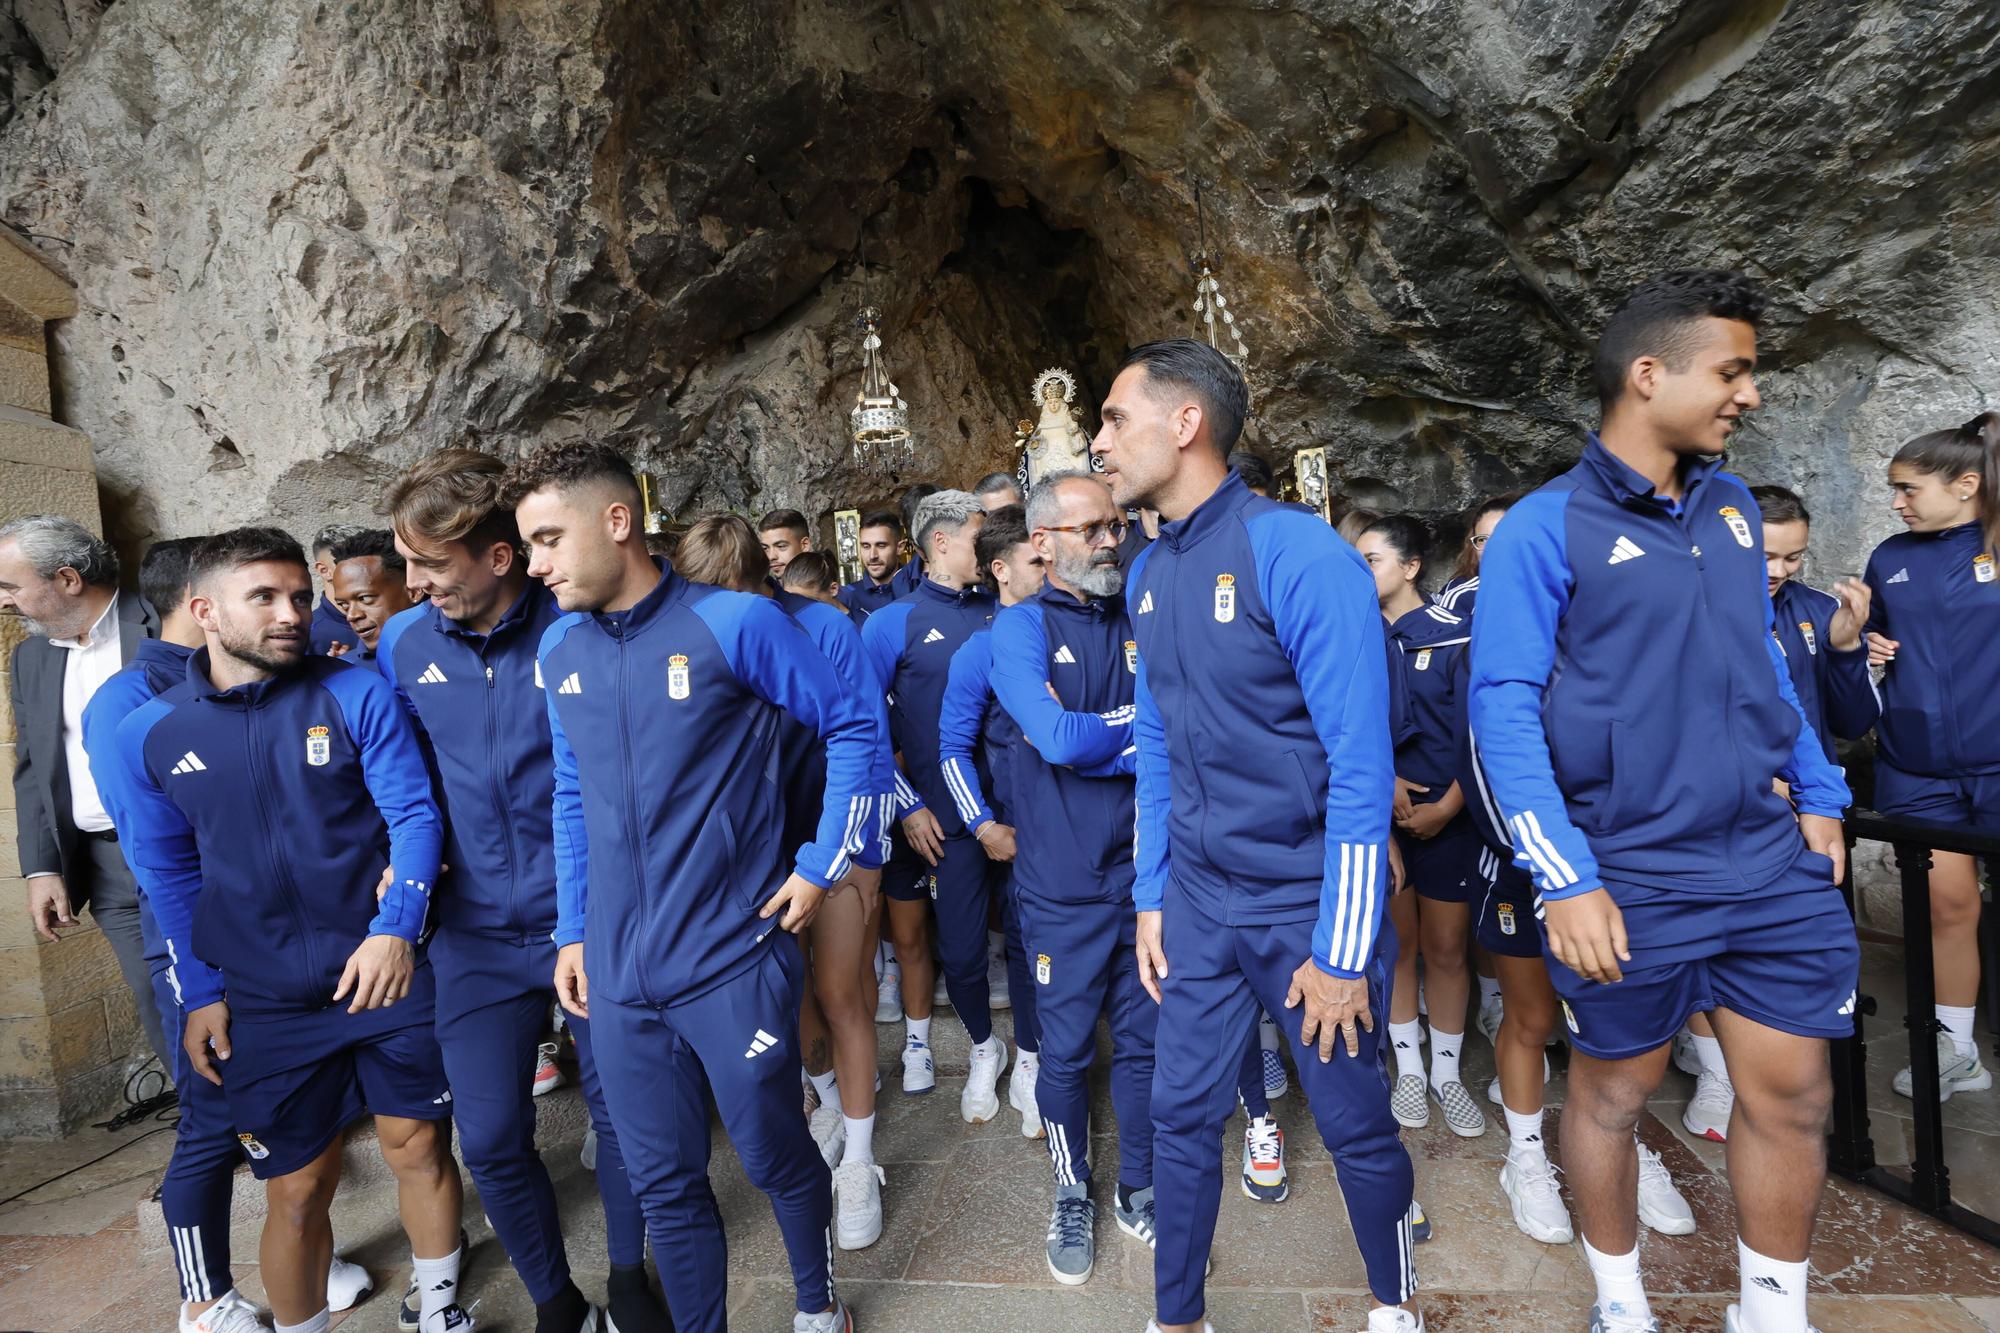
(1935, 628)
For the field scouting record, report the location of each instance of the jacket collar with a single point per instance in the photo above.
(524, 608)
(937, 592)
(1067, 603)
(252, 695)
(1629, 488)
(1209, 515)
(623, 624)
(160, 652)
(1428, 624)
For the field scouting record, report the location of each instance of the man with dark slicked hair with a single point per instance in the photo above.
(1630, 710)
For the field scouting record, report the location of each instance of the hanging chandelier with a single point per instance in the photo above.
(1210, 305)
(880, 420)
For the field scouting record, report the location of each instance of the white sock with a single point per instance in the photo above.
(437, 1282)
(316, 1324)
(1524, 1132)
(920, 1031)
(860, 1140)
(1958, 1026)
(827, 1088)
(1709, 1051)
(1618, 1282)
(1267, 1033)
(1444, 1057)
(1771, 1294)
(1409, 1057)
(1489, 990)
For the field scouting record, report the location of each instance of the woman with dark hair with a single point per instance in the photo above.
(1462, 588)
(1440, 849)
(1935, 628)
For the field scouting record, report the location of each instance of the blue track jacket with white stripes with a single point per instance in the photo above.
(1628, 701)
(1264, 765)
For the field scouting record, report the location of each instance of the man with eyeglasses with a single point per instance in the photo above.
(1064, 665)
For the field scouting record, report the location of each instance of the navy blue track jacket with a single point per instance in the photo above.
(258, 821)
(976, 738)
(1079, 846)
(1428, 648)
(1937, 594)
(329, 627)
(478, 697)
(1628, 701)
(864, 597)
(1264, 766)
(1834, 690)
(802, 754)
(909, 645)
(669, 812)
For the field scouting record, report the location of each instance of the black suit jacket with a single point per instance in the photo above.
(48, 836)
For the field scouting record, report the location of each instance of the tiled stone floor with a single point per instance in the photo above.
(966, 1208)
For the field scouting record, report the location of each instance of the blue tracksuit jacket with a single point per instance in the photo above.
(864, 597)
(908, 646)
(1834, 690)
(664, 724)
(258, 821)
(802, 755)
(479, 699)
(1458, 596)
(1079, 849)
(329, 627)
(976, 738)
(1628, 700)
(1936, 594)
(1264, 765)
(1427, 648)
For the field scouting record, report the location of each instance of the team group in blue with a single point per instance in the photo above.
(1201, 782)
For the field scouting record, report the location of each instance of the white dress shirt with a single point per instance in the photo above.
(94, 657)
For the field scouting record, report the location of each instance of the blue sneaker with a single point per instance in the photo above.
(1072, 1249)
(1420, 1226)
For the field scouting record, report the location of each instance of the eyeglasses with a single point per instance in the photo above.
(1095, 533)
(1479, 543)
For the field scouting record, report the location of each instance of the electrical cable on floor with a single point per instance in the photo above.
(147, 1097)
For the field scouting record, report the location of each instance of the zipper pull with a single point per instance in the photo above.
(489, 675)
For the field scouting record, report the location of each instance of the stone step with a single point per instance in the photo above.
(560, 1121)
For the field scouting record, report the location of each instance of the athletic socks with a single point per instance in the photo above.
(1618, 1283)
(1772, 1294)
(1407, 1038)
(1445, 1047)
(1524, 1132)
(1709, 1051)
(860, 1140)
(437, 1285)
(827, 1088)
(1958, 1026)
(562, 1313)
(316, 1324)
(1489, 990)
(1267, 1033)
(920, 1031)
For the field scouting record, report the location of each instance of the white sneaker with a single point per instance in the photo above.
(1733, 1322)
(889, 996)
(857, 1204)
(1389, 1319)
(1686, 1058)
(998, 996)
(589, 1154)
(231, 1314)
(1153, 1326)
(829, 1131)
(1021, 1094)
(548, 1074)
(1661, 1206)
(1493, 1091)
(919, 1073)
(346, 1284)
(1529, 1180)
(939, 993)
(1490, 1013)
(454, 1318)
(1956, 1073)
(836, 1320)
(1707, 1116)
(980, 1101)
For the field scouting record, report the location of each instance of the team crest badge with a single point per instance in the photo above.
(1041, 969)
(1569, 1017)
(1132, 656)
(931, 882)
(677, 676)
(1424, 660)
(1504, 914)
(1225, 598)
(1982, 569)
(258, 1152)
(319, 746)
(1739, 526)
(1812, 639)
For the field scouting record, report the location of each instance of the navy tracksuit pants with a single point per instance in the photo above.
(194, 1196)
(1083, 967)
(966, 883)
(493, 1003)
(740, 1039)
(1217, 977)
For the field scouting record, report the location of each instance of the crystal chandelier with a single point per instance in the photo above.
(1210, 305)
(880, 421)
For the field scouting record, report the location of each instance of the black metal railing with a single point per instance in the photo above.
(1850, 1150)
